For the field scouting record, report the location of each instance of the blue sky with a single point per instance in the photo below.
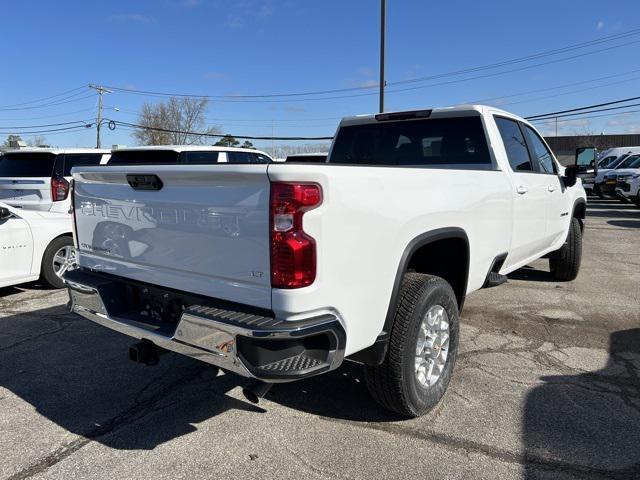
(247, 47)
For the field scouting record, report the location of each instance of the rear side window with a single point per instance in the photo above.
(540, 152)
(246, 157)
(141, 157)
(444, 141)
(514, 144)
(27, 164)
(199, 158)
(80, 159)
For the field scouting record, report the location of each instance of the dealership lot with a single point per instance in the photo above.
(547, 385)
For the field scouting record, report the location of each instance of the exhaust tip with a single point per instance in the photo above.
(255, 390)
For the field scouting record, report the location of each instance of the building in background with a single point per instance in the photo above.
(564, 148)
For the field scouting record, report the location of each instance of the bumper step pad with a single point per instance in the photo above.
(297, 363)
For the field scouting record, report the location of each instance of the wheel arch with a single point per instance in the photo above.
(441, 237)
(580, 211)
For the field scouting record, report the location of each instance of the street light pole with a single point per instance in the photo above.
(101, 91)
(383, 14)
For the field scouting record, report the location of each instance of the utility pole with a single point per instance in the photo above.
(101, 91)
(383, 14)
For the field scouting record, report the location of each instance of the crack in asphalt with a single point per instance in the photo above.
(523, 459)
(141, 408)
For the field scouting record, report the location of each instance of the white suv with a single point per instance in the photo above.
(38, 178)
(186, 154)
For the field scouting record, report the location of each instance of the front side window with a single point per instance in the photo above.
(606, 161)
(540, 152)
(514, 144)
(438, 141)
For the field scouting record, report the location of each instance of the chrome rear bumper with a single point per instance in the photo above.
(250, 344)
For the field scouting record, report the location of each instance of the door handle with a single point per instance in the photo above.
(551, 188)
(522, 190)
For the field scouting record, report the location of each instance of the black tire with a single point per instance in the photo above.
(47, 274)
(566, 265)
(636, 200)
(394, 384)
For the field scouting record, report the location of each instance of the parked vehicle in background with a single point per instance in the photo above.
(609, 156)
(307, 158)
(38, 178)
(606, 178)
(34, 245)
(630, 189)
(186, 154)
(624, 179)
(370, 255)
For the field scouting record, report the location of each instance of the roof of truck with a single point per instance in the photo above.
(58, 151)
(439, 112)
(191, 148)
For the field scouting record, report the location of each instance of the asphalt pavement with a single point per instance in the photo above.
(547, 385)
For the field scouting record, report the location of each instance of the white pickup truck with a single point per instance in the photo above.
(279, 271)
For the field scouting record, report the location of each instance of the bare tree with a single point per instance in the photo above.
(173, 122)
(37, 141)
(282, 151)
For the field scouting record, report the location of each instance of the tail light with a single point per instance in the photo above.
(293, 252)
(59, 189)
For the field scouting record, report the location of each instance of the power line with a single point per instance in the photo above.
(255, 98)
(534, 56)
(216, 135)
(551, 119)
(84, 110)
(591, 111)
(554, 114)
(83, 122)
(43, 99)
(62, 101)
(62, 129)
(557, 87)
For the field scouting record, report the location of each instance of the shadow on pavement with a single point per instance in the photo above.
(625, 211)
(625, 223)
(6, 291)
(77, 375)
(531, 274)
(588, 423)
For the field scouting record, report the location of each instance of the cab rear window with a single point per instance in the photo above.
(141, 157)
(438, 142)
(27, 164)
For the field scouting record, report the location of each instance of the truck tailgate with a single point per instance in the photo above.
(205, 231)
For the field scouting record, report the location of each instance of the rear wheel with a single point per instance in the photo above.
(422, 348)
(57, 259)
(566, 264)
